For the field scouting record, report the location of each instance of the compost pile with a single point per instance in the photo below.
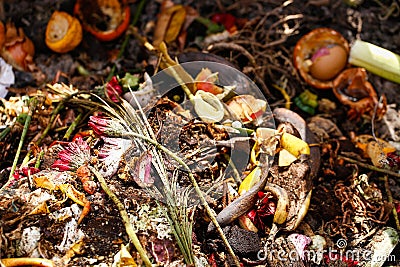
(211, 133)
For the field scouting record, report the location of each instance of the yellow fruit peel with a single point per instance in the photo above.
(294, 145)
(250, 180)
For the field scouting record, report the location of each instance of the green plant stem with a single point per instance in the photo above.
(4, 133)
(53, 116)
(370, 167)
(32, 108)
(124, 215)
(203, 201)
(73, 125)
(59, 107)
(135, 19)
(181, 238)
(172, 65)
(39, 158)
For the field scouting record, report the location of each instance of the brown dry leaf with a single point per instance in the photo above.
(365, 140)
(175, 25)
(42, 208)
(169, 22)
(44, 182)
(191, 15)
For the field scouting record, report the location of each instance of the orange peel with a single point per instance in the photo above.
(113, 16)
(63, 32)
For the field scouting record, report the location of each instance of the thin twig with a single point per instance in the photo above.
(32, 108)
(236, 47)
(370, 167)
(390, 199)
(124, 215)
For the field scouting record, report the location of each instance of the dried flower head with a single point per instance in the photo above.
(104, 126)
(114, 89)
(73, 156)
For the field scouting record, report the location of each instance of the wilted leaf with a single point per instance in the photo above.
(175, 25)
(44, 182)
(374, 148)
(73, 194)
(141, 169)
(169, 23)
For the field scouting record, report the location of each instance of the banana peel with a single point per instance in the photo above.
(282, 206)
(285, 158)
(294, 145)
(289, 142)
(303, 211)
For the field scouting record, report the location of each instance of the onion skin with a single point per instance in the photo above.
(16, 48)
(353, 89)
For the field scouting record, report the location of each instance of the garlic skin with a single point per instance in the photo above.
(7, 77)
(208, 107)
(16, 48)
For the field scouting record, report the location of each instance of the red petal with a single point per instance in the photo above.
(59, 164)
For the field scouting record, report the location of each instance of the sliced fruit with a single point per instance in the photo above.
(286, 158)
(250, 180)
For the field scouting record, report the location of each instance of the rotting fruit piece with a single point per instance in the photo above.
(106, 19)
(63, 32)
(352, 89)
(247, 107)
(16, 48)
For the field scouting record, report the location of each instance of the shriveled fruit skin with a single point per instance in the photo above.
(63, 32)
